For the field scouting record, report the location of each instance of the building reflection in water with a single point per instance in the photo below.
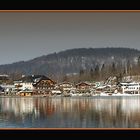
(94, 112)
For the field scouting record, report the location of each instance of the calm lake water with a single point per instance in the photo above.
(84, 112)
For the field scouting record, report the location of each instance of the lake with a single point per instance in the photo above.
(70, 112)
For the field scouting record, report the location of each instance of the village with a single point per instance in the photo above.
(42, 86)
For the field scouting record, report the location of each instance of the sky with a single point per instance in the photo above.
(27, 35)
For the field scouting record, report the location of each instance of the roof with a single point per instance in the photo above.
(1, 89)
(26, 79)
(83, 83)
(65, 82)
(33, 78)
(42, 78)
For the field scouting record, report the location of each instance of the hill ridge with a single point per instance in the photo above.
(72, 61)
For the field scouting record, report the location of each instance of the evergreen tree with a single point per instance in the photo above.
(139, 61)
(81, 72)
(113, 69)
(91, 73)
(96, 72)
(128, 68)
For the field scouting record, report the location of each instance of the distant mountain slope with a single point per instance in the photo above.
(72, 61)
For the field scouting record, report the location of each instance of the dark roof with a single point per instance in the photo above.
(43, 78)
(37, 76)
(26, 79)
(1, 88)
(33, 78)
(83, 83)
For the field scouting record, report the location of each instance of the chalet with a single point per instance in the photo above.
(83, 87)
(44, 85)
(37, 83)
(65, 86)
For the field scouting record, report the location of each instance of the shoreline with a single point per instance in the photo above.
(49, 97)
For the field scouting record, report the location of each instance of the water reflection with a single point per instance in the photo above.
(94, 112)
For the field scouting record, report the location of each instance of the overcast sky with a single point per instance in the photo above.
(26, 35)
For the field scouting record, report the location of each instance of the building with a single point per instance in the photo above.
(8, 89)
(25, 92)
(37, 83)
(130, 88)
(83, 87)
(24, 83)
(44, 85)
(66, 86)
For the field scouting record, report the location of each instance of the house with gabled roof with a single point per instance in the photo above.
(44, 85)
(66, 86)
(34, 82)
(24, 83)
(83, 87)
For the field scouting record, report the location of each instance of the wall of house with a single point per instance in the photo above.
(27, 86)
(23, 86)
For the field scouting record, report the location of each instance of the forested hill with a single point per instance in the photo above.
(73, 60)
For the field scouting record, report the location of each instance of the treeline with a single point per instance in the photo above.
(105, 71)
(98, 73)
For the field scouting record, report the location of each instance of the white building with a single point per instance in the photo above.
(130, 88)
(27, 82)
(23, 85)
